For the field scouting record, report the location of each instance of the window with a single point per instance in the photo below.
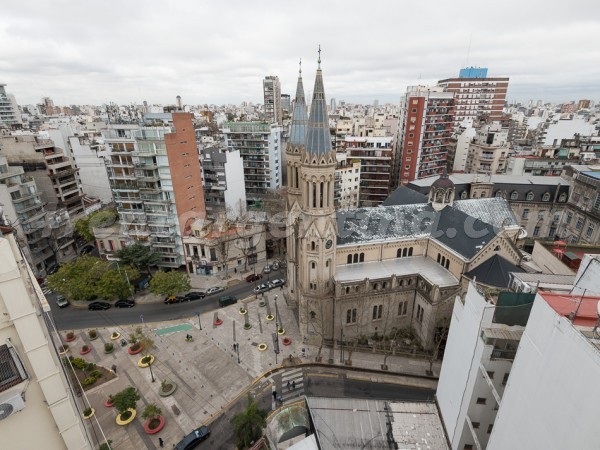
(514, 195)
(569, 217)
(546, 197)
(481, 400)
(377, 312)
(579, 223)
(536, 231)
(490, 374)
(313, 246)
(498, 193)
(463, 195)
(468, 447)
(313, 265)
(490, 428)
(399, 253)
(505, 378)
(12, 371)
(351, 316)
(349, 259)
(347, 289)
(563, 197)
(525, 214)
(590, 231)
(402, 308)
(529, 196)
(361, 257)
(475, 424)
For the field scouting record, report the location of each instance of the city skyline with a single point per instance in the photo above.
(220, 53)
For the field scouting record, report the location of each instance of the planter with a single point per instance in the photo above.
(262, 347)
(281, 331)
(169, 391)
(218, 322)
(63, 349)
(270, 317)
(108, 404)
(243, 311)
(107, 351)
(85, 352)
(115, 336)
(70, 339)
(262, 303)
(143, 365)
(93, 336)
(286, 341)
(135, 352)
(90, 415)
(157, 422)
(128, 420)
(247, 326)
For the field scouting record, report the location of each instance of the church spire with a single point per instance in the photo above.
(318, 139)
(300, 114)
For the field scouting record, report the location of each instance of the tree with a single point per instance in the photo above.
(126, 399)
(169, 283)
(151, 411)
(248, 425)
(99, 218)
(114, 285)
(139, 256)
(441, 334)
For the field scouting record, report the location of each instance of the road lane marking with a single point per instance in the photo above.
(323, 375)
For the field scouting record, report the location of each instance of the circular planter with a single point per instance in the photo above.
(90, 416)
(262, 347)
(135, 352)
(143, 365)
(281, 331)
(115, 336)
(247, 326)
(243, 312)
(129, 420)
(160, 426)
(218, 322)
(81, 352)
(93, 338)
(270, 317)
(286, 341)
(262, 303)
(168, 392)
(71, 339)
(109, 351)
(108, 404)
(64, 351)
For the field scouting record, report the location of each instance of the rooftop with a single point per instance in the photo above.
(466, 178)
(583, 308)
(422, 265)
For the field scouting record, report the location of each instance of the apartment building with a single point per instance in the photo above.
(54, 172)
(375, 155)
(476, 94)
(346, 192)
(272, 97)
(223, 178)
(259, 144)
(424, 133)
(90, 158)
(458, 149)
(37, 406)
(519, 165)
(155, 177)
(9, 110)
(488, 152)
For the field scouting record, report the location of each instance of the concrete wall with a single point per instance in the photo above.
(235, 194)
(92, 170)
(548, 262)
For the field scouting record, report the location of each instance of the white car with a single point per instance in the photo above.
(277, 282)
(214, 290)
(267, 269)
(264, 287)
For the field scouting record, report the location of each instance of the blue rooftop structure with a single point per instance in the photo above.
(318, 138)
(300, 114)
(473, 72)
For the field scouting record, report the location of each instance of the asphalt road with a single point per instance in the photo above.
(323, 382)
(74, 318)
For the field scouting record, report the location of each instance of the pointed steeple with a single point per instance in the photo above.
(300, 114)
(318, 139)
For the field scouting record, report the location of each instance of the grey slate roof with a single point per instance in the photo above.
(454, 228)
(495, 211)
(404, 196)
(318, 138)
(299, 117)
(494, 272)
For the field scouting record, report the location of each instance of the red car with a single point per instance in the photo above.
(253, 277)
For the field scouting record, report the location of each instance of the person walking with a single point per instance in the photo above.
(160, 442)
(289, 385)
(114, 368)
(294, 384)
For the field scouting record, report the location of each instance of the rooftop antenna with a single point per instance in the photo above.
(469, 49)
(319, 60)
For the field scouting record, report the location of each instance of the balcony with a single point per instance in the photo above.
(33, 218)
(124, 187)
(122, 176)
(148, 179)
(25, 208)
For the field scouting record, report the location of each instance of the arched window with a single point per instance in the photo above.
(398, 253)
(314, 195)
(409, 281)
(514, 195)
(499, 194)
(410, 250)
(401, 283)
(375, 286)
(355, 258)
(404, 251)
(384, 285)
(362, 257)
(463, 195)
(313, 265)
(348, 316)
(443, 260)
(313, 246)
(562, 197)
(321, 194)
(347, 289)
(354, 315)
(349, 260)
(327, 263)
(546, 197)
(447, 265)
(529, 196)
(439, 258)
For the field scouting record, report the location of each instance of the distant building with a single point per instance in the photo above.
(347, 183)
(90, 158)
(9, 110)
(286, 105)
(458, 148)
(476, 94)
(424, 132)
(272, 96)
(38, 408)
(488, 152)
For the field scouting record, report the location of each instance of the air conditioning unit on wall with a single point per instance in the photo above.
(10, 404)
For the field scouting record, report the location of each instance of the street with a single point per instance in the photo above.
(73, 318)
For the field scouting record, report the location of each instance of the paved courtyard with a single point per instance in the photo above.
(206, 370)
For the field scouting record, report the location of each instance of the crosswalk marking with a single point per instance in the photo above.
(47, 291)
(296, 378)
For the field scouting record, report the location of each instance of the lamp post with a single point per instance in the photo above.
(199, 324)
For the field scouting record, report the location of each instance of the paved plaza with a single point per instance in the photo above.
(206, 370)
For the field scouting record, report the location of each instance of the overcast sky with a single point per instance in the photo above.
(218, 51)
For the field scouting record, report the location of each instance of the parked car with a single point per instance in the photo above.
(275, 266)
(52, 269)
(86, 249)
(173, 299)
(124, 303)
(193, 439)
(277, 282)
(227, 300)
(62, 302)
(98, 306)
(264, 287)
(194, 296)
(253, 277)
(214, 290)
(267, 269)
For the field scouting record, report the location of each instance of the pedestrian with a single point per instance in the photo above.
(274, 395)
(294, 384)
(281, 287)
(114, 368)
(289, 384)
(160, 442)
